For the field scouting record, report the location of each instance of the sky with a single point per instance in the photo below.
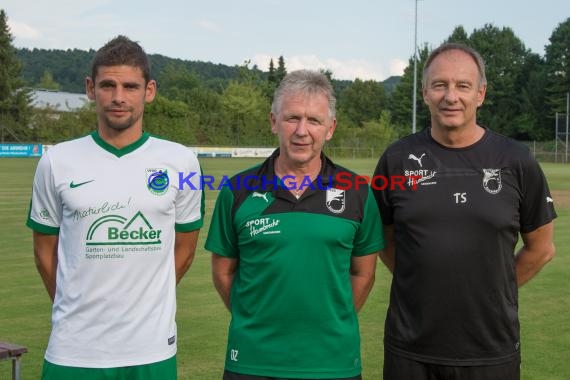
(366, 39)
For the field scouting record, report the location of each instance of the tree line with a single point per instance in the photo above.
(201, 103)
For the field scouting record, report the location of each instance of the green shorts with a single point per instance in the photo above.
(163, 370)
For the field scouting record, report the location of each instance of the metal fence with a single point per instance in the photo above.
(544, 151)
(549, 151)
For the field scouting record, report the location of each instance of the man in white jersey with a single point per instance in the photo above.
(113, 234)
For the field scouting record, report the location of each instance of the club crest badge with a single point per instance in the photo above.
(492, 180)
(157, 181)
(335, 200)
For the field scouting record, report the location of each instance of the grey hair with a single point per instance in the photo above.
(456, 46)
(307, 82)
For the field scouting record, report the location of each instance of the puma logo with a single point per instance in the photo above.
(419, 160)
(260, 195)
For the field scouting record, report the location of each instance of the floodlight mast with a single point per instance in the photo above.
(567, 121)
(414, 96)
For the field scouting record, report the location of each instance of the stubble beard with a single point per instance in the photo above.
(120, 126)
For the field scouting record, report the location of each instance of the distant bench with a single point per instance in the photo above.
(13, 352)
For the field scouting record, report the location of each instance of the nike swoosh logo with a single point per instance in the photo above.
(74, 185)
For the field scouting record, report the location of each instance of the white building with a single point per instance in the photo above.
(57, 100)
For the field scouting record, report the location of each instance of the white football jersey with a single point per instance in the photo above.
(116, 212)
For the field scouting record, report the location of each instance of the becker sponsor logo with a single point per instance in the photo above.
(265, 226)
(116, 230)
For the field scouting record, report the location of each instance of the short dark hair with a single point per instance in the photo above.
(456, 46)
(308, 82)
(121, 51)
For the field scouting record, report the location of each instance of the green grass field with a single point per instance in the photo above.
(202, 319)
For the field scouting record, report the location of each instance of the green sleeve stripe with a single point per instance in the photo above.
(188, 227)
(203, 200)
(48, 230)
